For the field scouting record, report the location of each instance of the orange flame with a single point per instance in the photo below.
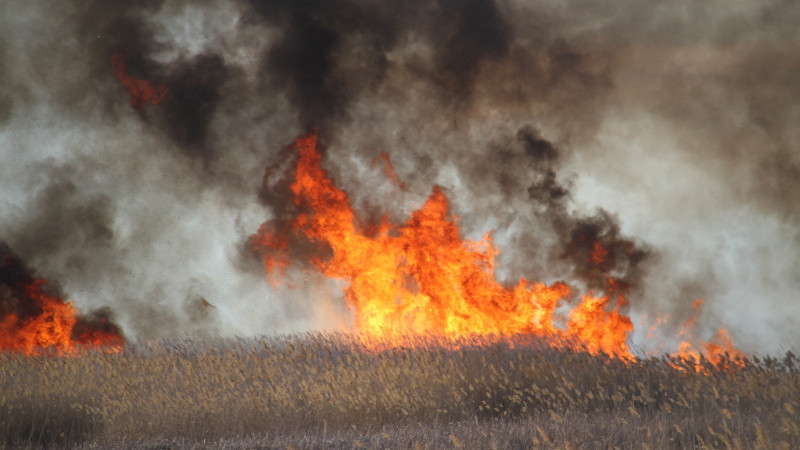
(52, 328)
(719, 351)
(421, 277)
(141, 91)
(599, 329)
(33, 321)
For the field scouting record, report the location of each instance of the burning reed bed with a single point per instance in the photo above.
(333, 390)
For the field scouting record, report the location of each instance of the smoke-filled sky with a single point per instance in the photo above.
(667, 130)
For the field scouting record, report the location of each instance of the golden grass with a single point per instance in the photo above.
(329, 390)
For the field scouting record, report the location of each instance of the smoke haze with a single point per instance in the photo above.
(666, 131)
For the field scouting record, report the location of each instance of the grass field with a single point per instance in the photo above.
(332, 391)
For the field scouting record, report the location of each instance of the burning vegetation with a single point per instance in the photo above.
(35, 320)
(422, 278)
(132, 135)
(416, 278)
(719, 350)
(505, 113)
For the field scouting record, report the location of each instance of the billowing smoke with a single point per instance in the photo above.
(652, 143)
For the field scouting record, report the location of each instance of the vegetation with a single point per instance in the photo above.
(332, 390)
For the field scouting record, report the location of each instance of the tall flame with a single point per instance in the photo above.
(421, 277)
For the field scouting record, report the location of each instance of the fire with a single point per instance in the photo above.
(50, 328)
(33, 320)
(141, 91)
(599, 329)
(719, 351)
(421, 277)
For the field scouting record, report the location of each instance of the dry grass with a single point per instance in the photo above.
(328, 390)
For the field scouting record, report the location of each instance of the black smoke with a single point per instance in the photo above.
(662, 133)
(15, 277)
(195, 89)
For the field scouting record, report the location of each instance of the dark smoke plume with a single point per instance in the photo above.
(195, 91)
(14, 278)
(650, 145)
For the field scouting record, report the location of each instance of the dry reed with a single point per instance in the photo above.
(332, 390)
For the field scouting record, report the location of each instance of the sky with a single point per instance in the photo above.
(667, 130)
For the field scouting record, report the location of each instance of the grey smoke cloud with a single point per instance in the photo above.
(666, 130)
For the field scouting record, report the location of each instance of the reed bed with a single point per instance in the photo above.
(333, 390)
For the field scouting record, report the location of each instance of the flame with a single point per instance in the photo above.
(33, 321)
(719, 351)
(141, 91)
(600, 329)
(51, 328)
(421, 277)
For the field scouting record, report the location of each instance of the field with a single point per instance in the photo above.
(333, 391)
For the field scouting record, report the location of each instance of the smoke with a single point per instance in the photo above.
(664, 132)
